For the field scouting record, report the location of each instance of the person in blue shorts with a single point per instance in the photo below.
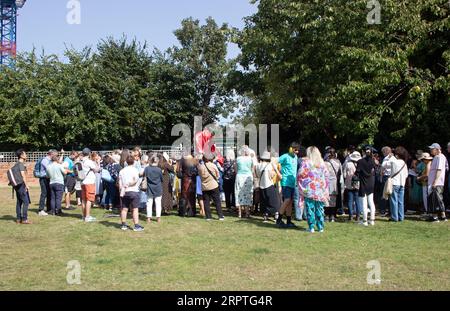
(289, 163)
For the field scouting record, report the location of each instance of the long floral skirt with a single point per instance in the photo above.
(244, 190)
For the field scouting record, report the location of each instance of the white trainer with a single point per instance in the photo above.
(42, 213)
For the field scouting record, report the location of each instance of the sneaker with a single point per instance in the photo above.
(138, 228)
(42, 213)
(222, 219)
(321, 231)
(312, 231)
(90, 219)
(364, 223)
(208, 219)
(26, 222)
(372, 223)
(124, 227)
(435, 220)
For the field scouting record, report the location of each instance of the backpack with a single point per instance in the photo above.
(37, 169)
(80, 175)
(15, 176)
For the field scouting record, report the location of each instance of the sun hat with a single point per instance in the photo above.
(355, 156)
(435, 146)
(166, 156)
(266, 156)
(425, 156)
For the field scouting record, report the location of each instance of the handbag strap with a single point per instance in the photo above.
(212, 175)
(393, 176)
(262, 173)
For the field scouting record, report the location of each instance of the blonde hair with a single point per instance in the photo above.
(314, 155)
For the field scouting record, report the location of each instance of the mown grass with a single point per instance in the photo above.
(192, 254)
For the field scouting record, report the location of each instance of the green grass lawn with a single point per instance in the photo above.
(192, 254)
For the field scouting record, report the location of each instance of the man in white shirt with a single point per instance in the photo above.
(88, 185)
(385, 173)
(129, 192)
(436, 182)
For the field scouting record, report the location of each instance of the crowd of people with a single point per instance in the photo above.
(303, 185)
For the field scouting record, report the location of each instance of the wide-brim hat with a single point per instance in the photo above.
(425, 156)
(266, 156)
(355, 156)
(166, 156)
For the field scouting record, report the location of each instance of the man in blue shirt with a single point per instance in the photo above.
(44, 183)
(69, 180)
(289, 164)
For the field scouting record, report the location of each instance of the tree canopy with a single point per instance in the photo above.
(329, 77)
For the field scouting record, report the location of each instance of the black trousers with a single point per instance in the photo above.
(228, 188)
(45, 198)
(215, 195)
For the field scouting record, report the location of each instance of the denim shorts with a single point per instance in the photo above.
(288, 193)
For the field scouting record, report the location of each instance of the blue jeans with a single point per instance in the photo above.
(110, 198)
(397, 203)
(353, 197)
(22, 202)
(56, 194)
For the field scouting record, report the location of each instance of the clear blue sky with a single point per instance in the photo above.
(42, 23)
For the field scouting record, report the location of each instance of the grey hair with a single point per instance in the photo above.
(245, 151)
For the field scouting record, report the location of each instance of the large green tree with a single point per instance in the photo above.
(202, 52)
(322, 71)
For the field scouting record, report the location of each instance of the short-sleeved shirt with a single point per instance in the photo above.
(244, 165)
(56, 172)
(88, 168)
(265, 169)
(154, 181)
(21, 166)
(439, 163)
(128, 175)
(289, 165)
(69, 165)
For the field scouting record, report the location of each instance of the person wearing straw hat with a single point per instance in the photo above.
(352, 185)
(265, 171)
(423, 169)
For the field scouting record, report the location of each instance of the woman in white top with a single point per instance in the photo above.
(399, 175)
(265, 171)
(129, 192)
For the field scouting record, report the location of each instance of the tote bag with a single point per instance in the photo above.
(388, 188)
